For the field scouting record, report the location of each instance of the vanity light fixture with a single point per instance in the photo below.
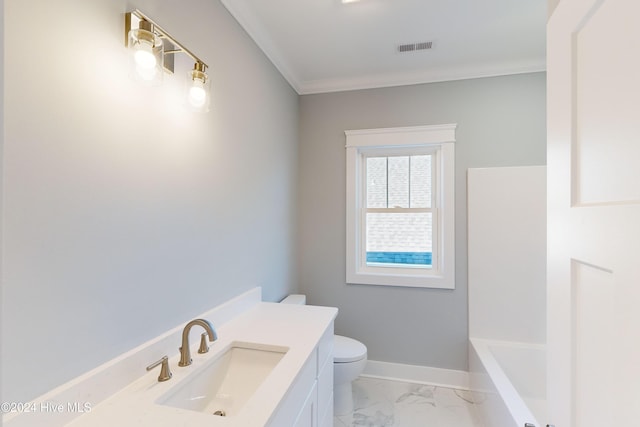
(152, 52)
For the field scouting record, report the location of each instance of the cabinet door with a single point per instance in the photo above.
(326, 420)
(325, 389)
(307, 416)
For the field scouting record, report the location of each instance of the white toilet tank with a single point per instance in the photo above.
(295, 299)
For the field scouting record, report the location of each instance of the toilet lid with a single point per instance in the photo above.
(347, 349)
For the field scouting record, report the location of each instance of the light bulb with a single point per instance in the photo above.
(147, 52)
(145, 61)
(144, 55)
(197, 94)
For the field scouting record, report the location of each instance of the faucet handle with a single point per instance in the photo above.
(204, 348)
(165, 372)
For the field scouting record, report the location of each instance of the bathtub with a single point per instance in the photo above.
(508, 381)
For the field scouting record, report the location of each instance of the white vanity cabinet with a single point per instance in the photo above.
(309, 401)
(324, 379)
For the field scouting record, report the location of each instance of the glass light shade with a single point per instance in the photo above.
(198, 92)
(147, 56)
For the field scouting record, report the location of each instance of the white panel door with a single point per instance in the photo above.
(593, 205)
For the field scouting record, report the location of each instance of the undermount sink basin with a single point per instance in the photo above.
(226, 383)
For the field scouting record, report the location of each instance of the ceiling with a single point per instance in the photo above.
(327, 45)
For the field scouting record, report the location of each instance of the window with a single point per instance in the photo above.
(400, 216)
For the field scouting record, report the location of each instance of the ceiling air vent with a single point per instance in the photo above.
(413, 47)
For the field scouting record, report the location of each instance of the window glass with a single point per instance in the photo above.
(398, 182)
(402, 186)
(399, 238)
(376, 182)
(420, 181)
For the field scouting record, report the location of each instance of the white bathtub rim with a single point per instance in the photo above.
(516, 406)
(512, 344)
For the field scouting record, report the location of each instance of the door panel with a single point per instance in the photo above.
(607, 109)
(594, 311)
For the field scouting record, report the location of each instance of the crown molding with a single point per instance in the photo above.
(428, 76)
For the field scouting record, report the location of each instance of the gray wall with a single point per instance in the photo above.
(125, 215)
(501, 122)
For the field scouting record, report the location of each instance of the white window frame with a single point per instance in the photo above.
(437, 140)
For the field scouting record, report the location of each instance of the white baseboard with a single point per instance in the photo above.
(417, 374)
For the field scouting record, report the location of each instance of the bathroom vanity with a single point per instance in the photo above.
(271, 366)
(296, 389)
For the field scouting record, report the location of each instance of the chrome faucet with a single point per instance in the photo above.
(185, 354)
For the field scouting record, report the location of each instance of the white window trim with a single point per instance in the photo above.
(439, 137)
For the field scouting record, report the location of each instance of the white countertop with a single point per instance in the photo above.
(297, 327)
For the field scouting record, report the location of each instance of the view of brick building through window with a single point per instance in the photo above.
(398, 210)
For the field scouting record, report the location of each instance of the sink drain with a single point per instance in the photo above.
(220, 413)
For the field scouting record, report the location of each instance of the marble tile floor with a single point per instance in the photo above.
(385, 403)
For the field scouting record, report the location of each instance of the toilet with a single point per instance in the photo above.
(349, 360)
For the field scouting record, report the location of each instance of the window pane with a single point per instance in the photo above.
(398, 182)
(399, 238)
(420, 182)
(377, 182)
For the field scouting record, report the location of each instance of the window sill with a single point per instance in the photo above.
(400, 280)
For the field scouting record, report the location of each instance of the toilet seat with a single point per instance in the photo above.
(347, 350)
